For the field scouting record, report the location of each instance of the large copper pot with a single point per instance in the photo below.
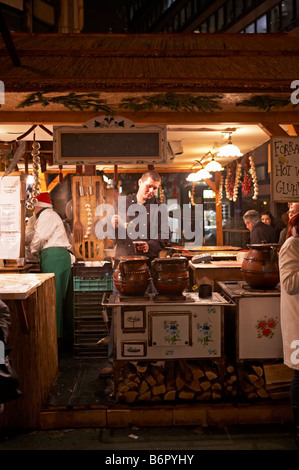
(260, 266)
(170, 275)
(132, 275)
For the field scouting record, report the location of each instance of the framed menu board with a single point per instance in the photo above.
(104, 140)
(285, 169)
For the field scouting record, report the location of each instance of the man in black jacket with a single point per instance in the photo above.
(146, 202)
(152, 230)
(259, 232)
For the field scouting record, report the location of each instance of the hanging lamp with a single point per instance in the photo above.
(229, 150)
(213, 166)
(201, 174)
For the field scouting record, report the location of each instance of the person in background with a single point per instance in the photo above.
(293, 209)
(29, 232)
(285, 219)
(283, 232)
(4, 329)
(268, 219)
(289, 310)
(51, 244)
(259, 232)
(4, 321)
(148, 185)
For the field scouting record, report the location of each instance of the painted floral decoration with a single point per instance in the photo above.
(265, 327)
(205, 330)
(173, 332)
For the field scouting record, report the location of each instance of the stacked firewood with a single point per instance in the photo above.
(252, 381)
(169, 381)
(231, 381)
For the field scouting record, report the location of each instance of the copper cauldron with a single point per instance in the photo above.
(170, 275)
(260, 266)
(132, 275)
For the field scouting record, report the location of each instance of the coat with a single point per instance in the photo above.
(49, 231)
(4, 321)
(125, 247)
(51, 244)
(289, 300)
(261, 233)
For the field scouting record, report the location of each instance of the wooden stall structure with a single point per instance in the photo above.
(151, 79)
(170, 79)
(33, 338)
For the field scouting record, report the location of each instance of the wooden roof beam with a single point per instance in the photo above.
(180, 118)
(273, 129)
(8, 40)
(295, 128)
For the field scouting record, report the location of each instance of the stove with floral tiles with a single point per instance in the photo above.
(153, 327)
(254, 321)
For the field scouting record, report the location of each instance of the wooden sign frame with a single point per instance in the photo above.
(284, 169)
(109, 141)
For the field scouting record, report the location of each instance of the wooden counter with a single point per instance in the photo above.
(209, 273)
(33, 337)
(15, 269)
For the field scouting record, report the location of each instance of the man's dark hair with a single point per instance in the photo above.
(154, 175)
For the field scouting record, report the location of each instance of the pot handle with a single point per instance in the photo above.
(187, 263)
(274, 257)
(153, 264)
(121, 269)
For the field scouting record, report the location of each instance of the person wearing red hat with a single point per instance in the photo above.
(289, 310)
(51, 244)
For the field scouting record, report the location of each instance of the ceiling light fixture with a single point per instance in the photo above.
(213, 165)
(201, 174)
(229, 150)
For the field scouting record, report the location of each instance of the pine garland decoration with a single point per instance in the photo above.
(71, 101)
(172, 101)
(264, 102)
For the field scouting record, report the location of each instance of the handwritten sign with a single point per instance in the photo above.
(285, 169)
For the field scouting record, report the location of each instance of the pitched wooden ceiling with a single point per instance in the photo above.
(230, 80)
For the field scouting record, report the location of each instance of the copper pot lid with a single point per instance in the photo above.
(170, 260)
(259, 246)
(133, 258)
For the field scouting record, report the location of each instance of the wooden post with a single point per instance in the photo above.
(215, 187)
(219, 231)
(90, 170)
(115, 182)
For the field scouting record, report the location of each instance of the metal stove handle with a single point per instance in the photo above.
(228, 298)
(104, 299)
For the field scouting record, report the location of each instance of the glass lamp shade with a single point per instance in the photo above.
(202, 174)
(229, 150)
(192, 177)
(213, 166)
